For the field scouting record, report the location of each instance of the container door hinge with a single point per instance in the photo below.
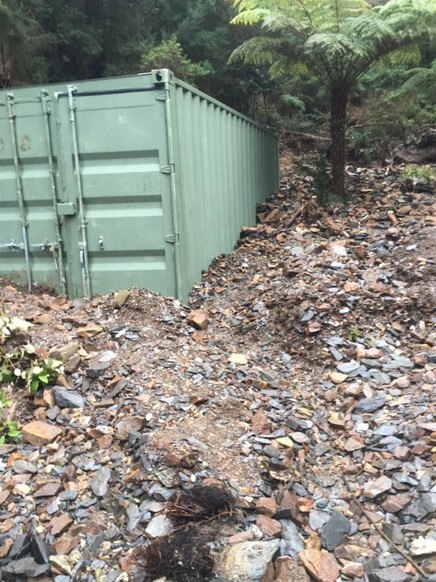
(172, 238)
(161, 97)
(169, 169)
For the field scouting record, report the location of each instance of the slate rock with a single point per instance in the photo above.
(292, 542)
(371, 404)
(26, 566)
(389, 574)
(67, 398)
(317, 519)
(99, 483)
(39, 549)
(133, 516)
(420, 508)
(247, 561)
(335, 530)
(158, 526)
(22, 466)
(97, 370)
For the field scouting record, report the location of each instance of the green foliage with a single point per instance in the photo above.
(169, 54)
(414, 175)
(8, 428)
(19, 364)
(337, 41)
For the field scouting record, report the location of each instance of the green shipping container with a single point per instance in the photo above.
(136, 181)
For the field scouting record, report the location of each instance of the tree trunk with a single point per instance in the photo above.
(338, 118)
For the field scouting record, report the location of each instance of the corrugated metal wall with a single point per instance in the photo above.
(229, 164)
(134, 181)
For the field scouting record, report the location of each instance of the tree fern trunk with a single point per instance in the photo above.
(338, 118)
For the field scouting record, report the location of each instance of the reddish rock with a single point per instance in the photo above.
(320, 564)
(353, 569)
(48, 489)
(199, 318)
(5, 547)
(395, 503)
(260, 423)
(65, 544)
(40, 433)
(60, 523)
(354, 443)
(289, 571)
(269, 527)
(266, 506)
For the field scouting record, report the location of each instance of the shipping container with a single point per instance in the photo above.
(137, 181)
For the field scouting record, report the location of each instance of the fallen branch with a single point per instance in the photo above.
(385, 536)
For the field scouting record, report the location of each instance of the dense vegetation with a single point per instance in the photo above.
(303, 64)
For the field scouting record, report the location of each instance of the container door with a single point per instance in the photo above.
(30, 245)
(115, 157)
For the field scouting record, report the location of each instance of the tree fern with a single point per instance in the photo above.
(336, 40)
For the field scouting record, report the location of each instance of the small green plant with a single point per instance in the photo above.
(413, 175)
(8, 428)
(41, 373)
(21, 365)
(353, 334)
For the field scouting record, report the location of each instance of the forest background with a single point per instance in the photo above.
(43, 41)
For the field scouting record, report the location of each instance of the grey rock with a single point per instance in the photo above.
(20, 547)
(317, 519)
(335, 530)
(424, 484)
(133, 516)
(247, 561)
(387, 430)
(371, 404)
(100, 481)
(379, 377)
(158, 526)
(292, 540)
(97, 370)
(26, 566)
(348, 367)
(390, 574)
(39, 549)
(393, 531)
(22, 466)
(420, 508)
(67, 398)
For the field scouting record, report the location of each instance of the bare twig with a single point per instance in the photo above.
(384, 535)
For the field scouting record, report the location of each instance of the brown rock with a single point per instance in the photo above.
(40, 433)
(266, 506)
(260, 423)
(395, 503)
(120, 297)
(48, 489)
(269, 574)
(199, 318)
(353, 569)
(60, 523)
(289, 571)
(320, 564)
(65, 544)
(269, 527)
(89, 330)
(354, 443)
(5, 547)
(64, 352)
